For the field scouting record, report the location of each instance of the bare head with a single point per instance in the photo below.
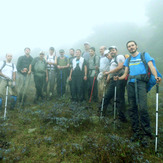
(86, 46)
(8, 57)
(132, 46)
(51, 50)
(72, 51)
(102, 49)
(78, 53)
(27, 51)
(92, 51)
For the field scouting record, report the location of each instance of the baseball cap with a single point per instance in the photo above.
(112, 47)
(86, 43)
(61, 51)
(106, 52)
(42, 53)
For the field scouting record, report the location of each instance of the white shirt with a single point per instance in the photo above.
(74, 62)
(104, 64)
(113, 64)
(50, 58)
(8, 69)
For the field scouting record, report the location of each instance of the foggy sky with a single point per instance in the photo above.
(45, 23)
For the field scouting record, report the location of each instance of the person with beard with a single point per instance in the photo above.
(93, 70)
(62, 65)
(137, 92)
(24, 71)
(116, 68)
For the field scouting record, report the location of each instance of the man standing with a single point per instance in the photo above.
(137, 91)
(78, 74)
(86, 52)
(86, 57)
(40, 74)
(24, 71)
(116, 69)
(62, 65)
(8, 77)
(104, 66)
(93, 65)
(51, 61)
(72, 56)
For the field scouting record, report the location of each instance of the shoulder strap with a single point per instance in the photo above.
(4, 64)
(142, 56)
(115, 58)
(48, 57)
(129, 59)
(12, 66)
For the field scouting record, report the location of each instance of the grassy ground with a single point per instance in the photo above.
(62, 131)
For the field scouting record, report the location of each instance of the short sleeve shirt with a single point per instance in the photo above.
(136, 65)
(8, 69)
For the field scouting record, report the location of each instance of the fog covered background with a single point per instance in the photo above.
(40, 24)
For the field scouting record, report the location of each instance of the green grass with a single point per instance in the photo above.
(59, 131)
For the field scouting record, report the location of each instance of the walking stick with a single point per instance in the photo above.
(115, 91)
(25, 89)
(103, 98)
(157, 91)
(61, 82)
(92, 88)
(5, 112)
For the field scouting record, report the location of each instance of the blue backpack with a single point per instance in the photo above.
(148, 77)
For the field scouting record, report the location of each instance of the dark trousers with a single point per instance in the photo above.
(77, 87)
(95, 88)
(61, 82)
(39, 85)
(120, 99)
(70, 84)
(141, 117)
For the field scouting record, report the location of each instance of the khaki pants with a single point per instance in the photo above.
(101, 88)
(11, 90)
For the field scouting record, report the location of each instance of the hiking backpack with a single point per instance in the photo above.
(39, 66)
(148, 77)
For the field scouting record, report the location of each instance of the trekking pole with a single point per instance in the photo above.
(115, 102)
(103, 98)
(92, 87)
(61, 82)
(157, 91)
(25, 89)
(5, 112)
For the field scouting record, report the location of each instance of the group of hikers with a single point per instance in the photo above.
(90, 77)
